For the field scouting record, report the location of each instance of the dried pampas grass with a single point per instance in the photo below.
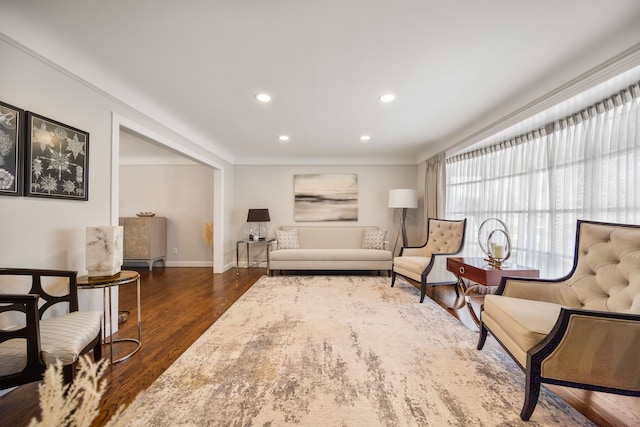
(76, 404)
(207, 233)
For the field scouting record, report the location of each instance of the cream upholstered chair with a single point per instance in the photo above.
(31, 338)
(427, 264)
(582, 330)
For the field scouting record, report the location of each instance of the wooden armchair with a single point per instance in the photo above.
(582, 330)
(31, 337)
(427, 264)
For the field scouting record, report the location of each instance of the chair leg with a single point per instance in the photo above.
(68, 372)
(97, 349)
(423, 289)
(531, 392)
(393, 278)
(482, 337)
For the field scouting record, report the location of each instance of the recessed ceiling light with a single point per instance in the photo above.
(283, 137)
(263, 97)
(365, 138)
(387, 97)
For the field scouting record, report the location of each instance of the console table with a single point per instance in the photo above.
(106, 283)
(145, 239)
(485, 277)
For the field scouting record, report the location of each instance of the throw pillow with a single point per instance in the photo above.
(287, 239)
(373, 239)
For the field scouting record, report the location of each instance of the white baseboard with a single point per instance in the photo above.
(159, 264)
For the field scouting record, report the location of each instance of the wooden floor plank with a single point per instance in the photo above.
(180, 304)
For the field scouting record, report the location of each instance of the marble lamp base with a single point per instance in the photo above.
(104, 250)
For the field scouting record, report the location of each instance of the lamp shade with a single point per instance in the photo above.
(258, 215)
(403, 198)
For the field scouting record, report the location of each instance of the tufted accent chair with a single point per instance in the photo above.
(426, 264)
(43, 325)
(582, 330)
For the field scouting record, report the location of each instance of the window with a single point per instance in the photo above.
(586, 166)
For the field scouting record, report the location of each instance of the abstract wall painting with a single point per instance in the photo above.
(11, 168)
(325, 197)
(57, 159)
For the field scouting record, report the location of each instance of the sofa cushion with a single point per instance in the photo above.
(330, 255)
(329, 237)
(373, 239)
(287, 239)
(526, 322)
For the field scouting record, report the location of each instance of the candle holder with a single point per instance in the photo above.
(495, 242)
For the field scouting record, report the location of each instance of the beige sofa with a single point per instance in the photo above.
(330, 248)
(582, 330)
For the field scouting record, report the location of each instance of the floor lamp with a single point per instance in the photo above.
(403, 198)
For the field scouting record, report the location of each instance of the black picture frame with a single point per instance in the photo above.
(57, 159)
(11, 150)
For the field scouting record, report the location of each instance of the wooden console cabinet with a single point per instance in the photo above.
(145, 239)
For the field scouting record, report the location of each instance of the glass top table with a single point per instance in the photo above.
(105, 283)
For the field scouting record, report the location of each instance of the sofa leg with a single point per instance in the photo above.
(482, 337)
(531, 392)
(393, 278)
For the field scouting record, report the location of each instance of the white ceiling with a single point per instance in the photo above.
(195, 65)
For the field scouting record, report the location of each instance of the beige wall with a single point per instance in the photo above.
(183, 194)
(50, 233)
(272, 187)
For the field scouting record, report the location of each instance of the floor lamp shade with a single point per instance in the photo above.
(403, 198)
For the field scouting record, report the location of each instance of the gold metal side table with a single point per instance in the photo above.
(106, 283)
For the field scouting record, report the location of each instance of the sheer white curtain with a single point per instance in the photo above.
(586, 166)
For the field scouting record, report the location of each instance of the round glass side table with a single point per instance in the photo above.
(106, 283)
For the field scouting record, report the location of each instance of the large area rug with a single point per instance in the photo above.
(341, 351)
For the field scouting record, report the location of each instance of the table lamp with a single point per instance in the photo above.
(104, 250)
(260, 216)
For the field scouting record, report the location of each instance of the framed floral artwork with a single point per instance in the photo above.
(11, 150)
(57, 160)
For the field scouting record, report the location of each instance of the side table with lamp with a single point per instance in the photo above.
(104, 256)
(257, 218)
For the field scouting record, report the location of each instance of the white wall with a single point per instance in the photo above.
(272, 187)
(50, 233)
(183, 194)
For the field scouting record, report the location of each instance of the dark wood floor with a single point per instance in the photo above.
(179, 304)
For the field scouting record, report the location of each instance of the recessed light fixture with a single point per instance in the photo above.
(263, 97)
(283, 137)
(387, 97)
(365, 138)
